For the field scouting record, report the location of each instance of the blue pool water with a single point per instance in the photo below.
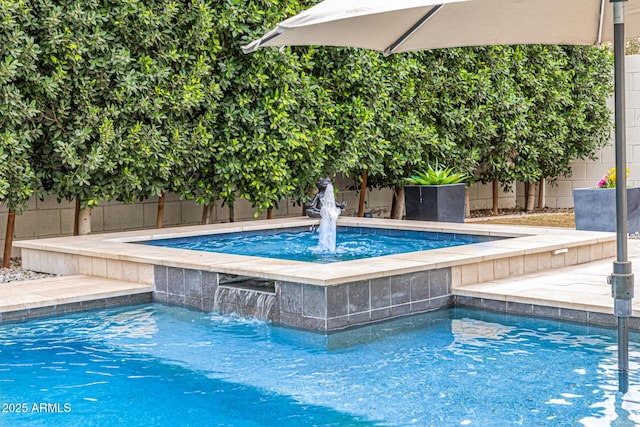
(154, 365)
(351, 243)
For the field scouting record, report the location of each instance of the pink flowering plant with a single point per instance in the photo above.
(609, 179)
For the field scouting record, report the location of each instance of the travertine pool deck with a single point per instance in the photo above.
(581, 288)
(528, 270)
(56, 295)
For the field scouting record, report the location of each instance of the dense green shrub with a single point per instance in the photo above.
(128, 112)
(128, 99)
(21, 83)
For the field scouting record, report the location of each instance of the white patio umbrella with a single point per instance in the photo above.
(405, 25)
(393, 26)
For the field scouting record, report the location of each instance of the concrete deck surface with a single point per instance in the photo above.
(60, 294)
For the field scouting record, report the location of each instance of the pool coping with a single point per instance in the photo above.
(59, 295)
(574, 247)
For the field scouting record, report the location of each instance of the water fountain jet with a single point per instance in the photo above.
(325, 207)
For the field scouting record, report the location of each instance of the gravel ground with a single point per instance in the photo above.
(16, 273)
(488, 213)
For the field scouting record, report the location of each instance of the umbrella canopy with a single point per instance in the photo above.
(406, 25)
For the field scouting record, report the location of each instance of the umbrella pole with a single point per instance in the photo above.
(621, 280)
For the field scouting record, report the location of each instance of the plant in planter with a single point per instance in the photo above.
(595, 208)
(435, 195)
(609, 178)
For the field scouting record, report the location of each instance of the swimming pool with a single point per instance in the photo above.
(302, 245)
(159, 365)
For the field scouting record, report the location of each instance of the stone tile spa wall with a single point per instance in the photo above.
(322, 308)
(327, 308)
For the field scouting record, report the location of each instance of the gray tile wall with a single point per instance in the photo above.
(324, 308)
(329, 308)
(133, 299)
(565, 314)
(185, 287)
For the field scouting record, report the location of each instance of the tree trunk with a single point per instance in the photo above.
(467, 203)
(81, 220)
(207, 213)
(496, 188)
(363, 193)
(160, 213)
(76, 215)
(397, 207)
(8, 239)
(270, 213)
(231, 213)
(84, 222)
(531, 196)
(542, 194)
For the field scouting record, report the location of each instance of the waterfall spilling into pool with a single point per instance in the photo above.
(329, 214)
(246, 297)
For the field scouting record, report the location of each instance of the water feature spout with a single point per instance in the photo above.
(251, 297)
(324, 206)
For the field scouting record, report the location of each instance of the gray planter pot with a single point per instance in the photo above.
(443, 203)
(595, 209)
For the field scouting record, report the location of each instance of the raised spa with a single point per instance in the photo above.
(312, 295)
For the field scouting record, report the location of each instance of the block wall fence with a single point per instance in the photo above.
(588, 173)
(48, 218)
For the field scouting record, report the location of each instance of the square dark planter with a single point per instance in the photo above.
(443, 203)
(595, 209)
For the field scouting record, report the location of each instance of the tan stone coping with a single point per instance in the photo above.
(58, 291)
(582, 288)
(116, 255)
